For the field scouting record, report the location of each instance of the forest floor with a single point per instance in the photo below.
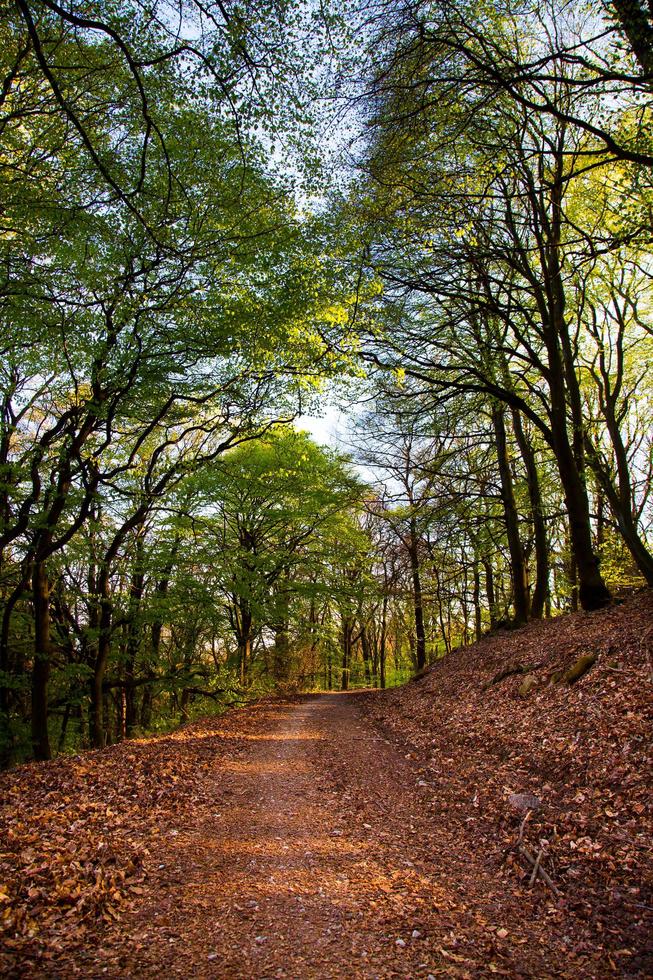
(357, 835)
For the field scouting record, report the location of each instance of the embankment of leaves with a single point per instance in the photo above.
(584, 749)
(77, 833)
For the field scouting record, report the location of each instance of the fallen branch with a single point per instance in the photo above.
(580, 668)
(536, 867)
(521, 828)
(534, 862)
(520, 837)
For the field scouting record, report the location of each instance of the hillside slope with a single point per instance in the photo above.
(583, 749)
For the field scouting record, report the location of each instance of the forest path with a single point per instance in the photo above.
(308, 867)
(316, 853)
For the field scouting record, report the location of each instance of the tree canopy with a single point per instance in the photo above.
(214, 215)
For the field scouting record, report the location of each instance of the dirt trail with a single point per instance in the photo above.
(313, 854)
(301, 843)
(307, 869)
(354, 835)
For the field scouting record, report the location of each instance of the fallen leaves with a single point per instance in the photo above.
(583, 751)
(413, 842)
(78, 835)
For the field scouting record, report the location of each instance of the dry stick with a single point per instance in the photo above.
(541, 872)
(534, 862)
(536, 867)
(521, 828)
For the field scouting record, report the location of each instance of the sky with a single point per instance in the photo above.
(334, 429)
(327, 429)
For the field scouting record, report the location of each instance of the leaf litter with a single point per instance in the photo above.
(361, 835)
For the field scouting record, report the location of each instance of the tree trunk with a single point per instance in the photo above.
(131, 707)
(97, 727)
(120, 707)
(420, 636)
(347, 628)
(5, 667)
(183, 704)
(542, 570)
(133, 640)
(384, 632)
(490, 593)
(244, 636)
(64, 728)
(478, 623)
(281, 661)
(245, 657)
(592, 590)
(41, 669)
(281, 665)
(464, 596)
(572, 577)
(519, 574)
(146, 707)
(563, 388)
(365, 648)
(443, 629)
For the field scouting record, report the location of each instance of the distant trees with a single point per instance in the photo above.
(280, 513)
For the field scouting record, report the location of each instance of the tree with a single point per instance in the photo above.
(163, 298)
(274, 510)
(473, 228)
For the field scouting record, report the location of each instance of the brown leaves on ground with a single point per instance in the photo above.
(584, 750)
(79, 834)
(363, 835)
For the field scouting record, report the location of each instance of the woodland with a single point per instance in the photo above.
(218, 218)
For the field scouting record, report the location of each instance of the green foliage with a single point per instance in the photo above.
(182, 280)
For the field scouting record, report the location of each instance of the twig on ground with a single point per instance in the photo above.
(521, 827)
(536, 867)
(523, 850)
(535, 863)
